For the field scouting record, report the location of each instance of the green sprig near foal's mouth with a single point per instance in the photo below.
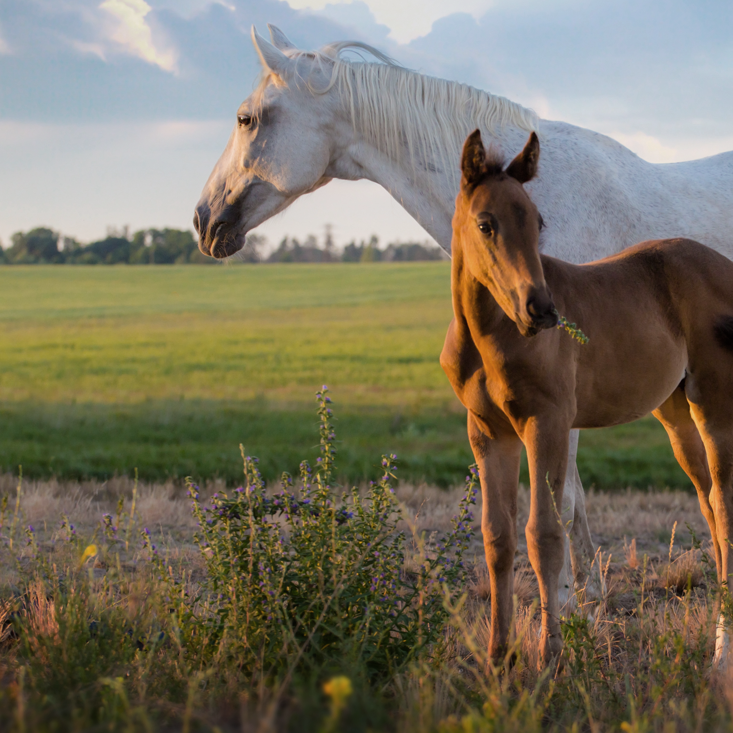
(571, 328)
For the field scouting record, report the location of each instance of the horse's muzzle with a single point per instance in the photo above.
(217, 238)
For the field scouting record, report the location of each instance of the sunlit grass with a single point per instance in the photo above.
(166, 369)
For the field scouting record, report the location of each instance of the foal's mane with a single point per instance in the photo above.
(402, 111)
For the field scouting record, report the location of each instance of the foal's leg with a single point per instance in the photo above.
(498, 462)
(711, 407)
(547, 453)
(689, 451)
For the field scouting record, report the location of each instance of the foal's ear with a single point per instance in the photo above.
(524, 166)
(473, 159)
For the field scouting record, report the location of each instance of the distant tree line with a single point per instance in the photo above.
(291, 250)
(176, 246)
(146, 247)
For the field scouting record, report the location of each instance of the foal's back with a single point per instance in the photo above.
(653, 313)
(691, 283)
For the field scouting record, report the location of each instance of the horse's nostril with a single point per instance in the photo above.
(215, 227)
(196, 222)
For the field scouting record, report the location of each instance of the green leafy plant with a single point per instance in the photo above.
(316, 577)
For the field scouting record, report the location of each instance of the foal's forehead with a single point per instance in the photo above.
(499, 195)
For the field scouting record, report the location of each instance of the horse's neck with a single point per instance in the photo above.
(427, 197)
(427, 192)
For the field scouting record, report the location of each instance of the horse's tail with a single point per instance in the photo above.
(724, 332)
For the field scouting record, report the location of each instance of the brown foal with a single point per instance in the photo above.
(659, 319)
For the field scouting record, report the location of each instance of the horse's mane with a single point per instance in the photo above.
(399, 110)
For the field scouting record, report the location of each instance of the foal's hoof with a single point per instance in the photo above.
(502, 659)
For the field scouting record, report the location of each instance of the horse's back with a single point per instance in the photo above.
(598, 197)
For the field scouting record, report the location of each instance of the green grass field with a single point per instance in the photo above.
(167, 369)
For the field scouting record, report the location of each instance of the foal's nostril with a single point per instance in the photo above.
(542, 311)
(533, 309)
(196, 222)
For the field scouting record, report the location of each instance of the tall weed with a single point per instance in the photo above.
(315, 579)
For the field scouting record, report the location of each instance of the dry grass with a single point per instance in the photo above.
(645, 566)
(44, 502)
(631, 528)
(685, 571)
(626, 525)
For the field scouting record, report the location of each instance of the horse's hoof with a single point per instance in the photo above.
(550, 648)
(721, 659)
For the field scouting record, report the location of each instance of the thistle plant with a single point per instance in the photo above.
(315, 576)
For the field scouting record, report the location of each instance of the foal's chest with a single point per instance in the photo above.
(496, 386)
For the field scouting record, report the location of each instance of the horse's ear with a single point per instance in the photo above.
(524, 166)
(473, 159)
(273, 59)
(279, 39)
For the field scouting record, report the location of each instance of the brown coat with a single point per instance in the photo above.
(659, 322)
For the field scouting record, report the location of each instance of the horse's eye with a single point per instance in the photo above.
(244, 120)
(485, 227)
(542, 221)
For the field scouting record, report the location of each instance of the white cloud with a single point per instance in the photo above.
(131, 31)
(407, 19)
(85, 47)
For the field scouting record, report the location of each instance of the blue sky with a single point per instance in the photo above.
(113, 112)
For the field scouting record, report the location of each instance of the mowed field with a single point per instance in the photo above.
(166, 370)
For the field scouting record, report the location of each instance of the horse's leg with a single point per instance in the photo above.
(498, 461)
(547, 453)
(583, 549)
(579, 552)
(709, 396)
(674, 414)
(565, 595)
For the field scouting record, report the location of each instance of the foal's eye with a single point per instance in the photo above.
(244, 120)
(485, 227)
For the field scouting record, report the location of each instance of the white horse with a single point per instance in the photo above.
(316, 116)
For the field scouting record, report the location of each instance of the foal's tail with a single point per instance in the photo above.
(723, 329)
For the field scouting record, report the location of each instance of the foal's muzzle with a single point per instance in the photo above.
(541, 312)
